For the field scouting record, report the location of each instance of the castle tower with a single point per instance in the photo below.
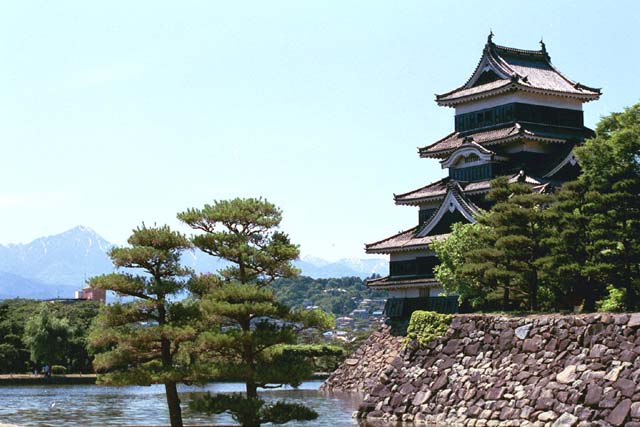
(516, 116)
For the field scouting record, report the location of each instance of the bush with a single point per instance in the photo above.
(58, 370)
(615, 301)
(426, 326)
(250, 411)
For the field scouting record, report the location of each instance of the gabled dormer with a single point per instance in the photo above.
(454, 208)
(471, 162)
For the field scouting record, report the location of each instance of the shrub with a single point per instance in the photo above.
(426, 326)
(251, 411)
(58, 370)
(615, 301)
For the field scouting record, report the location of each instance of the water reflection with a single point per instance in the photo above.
(88, 405)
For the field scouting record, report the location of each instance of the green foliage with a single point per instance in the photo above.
(258, 340)
(9, 354)
(425, 326)
(615, 301)
(451, 252)
(282, 412)
(573, 271)
(147, 340)
(15, 314)
(257, 343)
(47, 337)
(336, 295)
(244, 232)
(251, 412)
(245, 411)
(58, 370)
(560, 251)
(505, 260)
(254, 337)
(611, 174)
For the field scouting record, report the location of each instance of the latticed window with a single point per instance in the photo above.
(471, 173)
(420, 266)
(521, 112)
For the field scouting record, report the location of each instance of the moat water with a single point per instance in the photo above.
(91, 405)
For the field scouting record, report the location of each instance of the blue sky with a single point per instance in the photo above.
(117, 112)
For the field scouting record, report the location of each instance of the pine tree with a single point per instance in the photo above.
(611, 174)
(145, 341)
(573, 267)
(244, 232)
(257, 344)
(512, 246)
(256, 340)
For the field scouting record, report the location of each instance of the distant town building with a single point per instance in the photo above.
(516, 116)
(91, 294)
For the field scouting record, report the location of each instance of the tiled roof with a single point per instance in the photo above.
(387, 283)
(544, 133)
(438, 189)
(430, 191)
(403, 241)
(516, 69)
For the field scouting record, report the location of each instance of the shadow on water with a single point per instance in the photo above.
(90, 405)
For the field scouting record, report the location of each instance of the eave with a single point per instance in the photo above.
(387, 283)
(513, 87)
(500, 135)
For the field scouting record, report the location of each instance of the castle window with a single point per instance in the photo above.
(471, 173)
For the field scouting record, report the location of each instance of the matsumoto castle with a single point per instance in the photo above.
(516, 116)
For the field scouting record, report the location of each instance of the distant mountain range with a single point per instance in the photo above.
(56, 266)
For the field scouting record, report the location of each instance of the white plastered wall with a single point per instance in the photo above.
(524, 97)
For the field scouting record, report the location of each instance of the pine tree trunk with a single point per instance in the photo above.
(171, 390)
(252, 390)
(589, 305)
(631, 298)
(173, 401)
(533, 291)
(505, 298)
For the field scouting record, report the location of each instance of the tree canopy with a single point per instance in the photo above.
(244, 232)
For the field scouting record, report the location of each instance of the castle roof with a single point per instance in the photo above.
(500, 135)
(403, 241)
(438, 190)
(504, 69)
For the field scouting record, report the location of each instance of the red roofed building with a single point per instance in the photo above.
(516, 116)
(92, 294)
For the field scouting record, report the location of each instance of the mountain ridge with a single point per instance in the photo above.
(57, 265)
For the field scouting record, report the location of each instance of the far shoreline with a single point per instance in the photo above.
(85, 379)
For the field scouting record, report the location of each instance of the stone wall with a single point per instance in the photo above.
(581, 370)
(360, 372)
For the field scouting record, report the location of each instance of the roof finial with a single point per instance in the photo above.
(490, 37)
(542, 45)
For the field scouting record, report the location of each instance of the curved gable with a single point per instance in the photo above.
(452, 202)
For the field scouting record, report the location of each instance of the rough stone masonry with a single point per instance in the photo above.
(488, 370)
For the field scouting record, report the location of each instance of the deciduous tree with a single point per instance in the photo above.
(452, 253)
(47, 338)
